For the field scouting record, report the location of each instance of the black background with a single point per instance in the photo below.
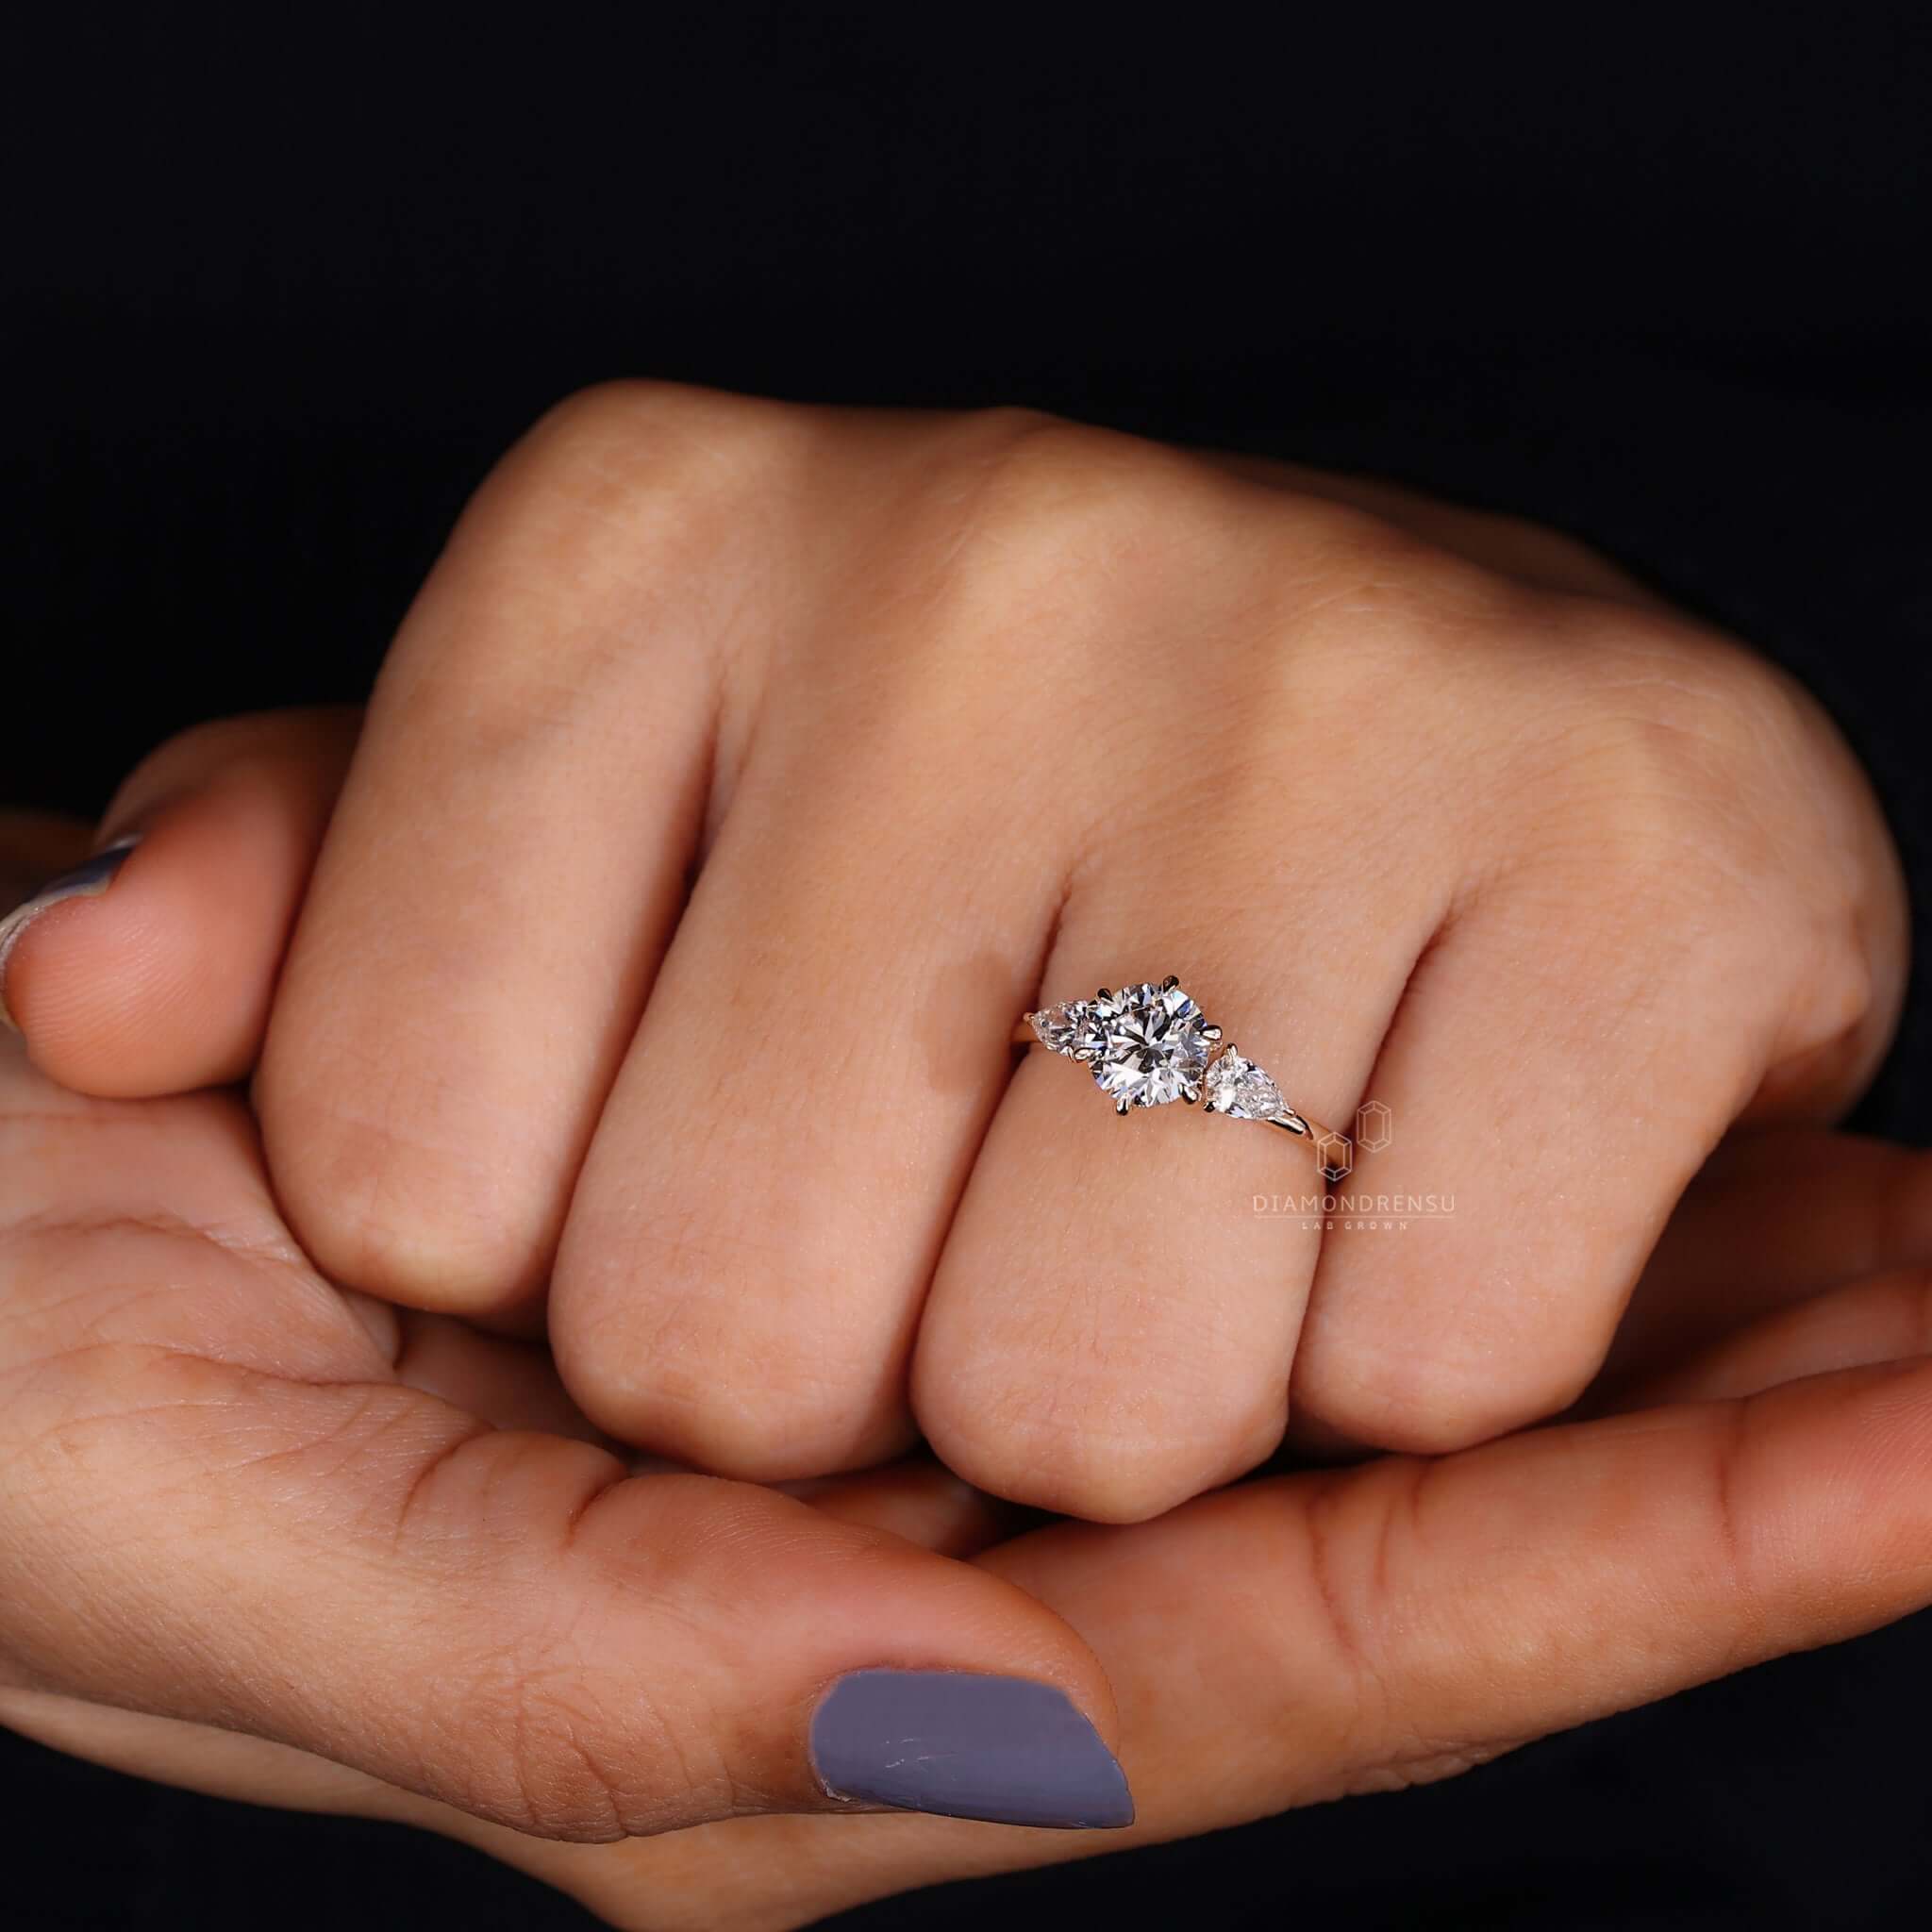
(277, 289)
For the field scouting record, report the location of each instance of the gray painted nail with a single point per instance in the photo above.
(964, 1745)
(86, 881)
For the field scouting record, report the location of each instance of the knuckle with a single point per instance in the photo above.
(641, 436)
(1666, 761)
(1674, 707)
(401, 1199)
(592, 550)
(1838, 994)
(1123, 1454)
(1364, 616)
(1351, 554)
(730, 1348)
(616, 485)
(1394, 1400)
(1031, 548)
(1031, 498)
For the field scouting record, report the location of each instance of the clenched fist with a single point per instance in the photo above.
(743, 771)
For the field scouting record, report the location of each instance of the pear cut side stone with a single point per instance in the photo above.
(1067, 1028)
(1240, 1089)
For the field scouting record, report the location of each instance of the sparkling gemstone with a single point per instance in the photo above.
(1239, 1088)
(1069, 1027)
(1151, 1048)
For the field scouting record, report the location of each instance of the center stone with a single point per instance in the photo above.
(1152, 1048)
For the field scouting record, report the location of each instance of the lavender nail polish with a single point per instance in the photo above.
(86, 881)
(966, 1745)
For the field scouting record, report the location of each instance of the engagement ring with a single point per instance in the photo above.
(1146, 1046)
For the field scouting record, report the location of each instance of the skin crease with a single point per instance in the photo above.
(1594, 812)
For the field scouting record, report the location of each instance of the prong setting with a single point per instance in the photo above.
(1148, 1044)
(1142, 1043)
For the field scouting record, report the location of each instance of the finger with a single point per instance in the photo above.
(223, 1507)
(1774, 1218)
(509, 856)
(1296, 1639)
(1551, 1086)
(509, 1383)
(756, 1222)
(918, 1499)
(1533, 554)
(198, 1757)
(1885, 1317)
(1111, 1326)
(150, 968)
(514, 1385)
(773, 1177)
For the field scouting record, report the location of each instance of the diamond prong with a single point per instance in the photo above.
(1172, 981)
(1141, 1044)
(1210, 1033)
(1191, 1095)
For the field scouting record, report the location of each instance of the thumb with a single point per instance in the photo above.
(148, 968)
(501, 1620)
(222, 1503)
(505, 1623)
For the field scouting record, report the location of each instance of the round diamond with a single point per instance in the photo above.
(1151, 1046)
(1240, 1089)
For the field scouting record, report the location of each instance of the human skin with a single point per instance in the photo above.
(1660, 851)
(742, 773)
(222, 1575)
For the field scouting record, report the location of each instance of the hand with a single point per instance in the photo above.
(260, 1538)
(235, 1500)
(742, 772)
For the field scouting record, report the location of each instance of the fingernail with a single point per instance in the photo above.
(963, 1745)
(88, 881)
